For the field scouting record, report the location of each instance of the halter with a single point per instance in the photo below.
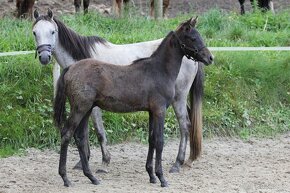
(185, 48)
(41, 48)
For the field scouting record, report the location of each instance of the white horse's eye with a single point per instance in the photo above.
(34, 33)
(52, 32)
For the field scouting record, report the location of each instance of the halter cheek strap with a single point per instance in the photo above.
(41, 48)
(185, 48)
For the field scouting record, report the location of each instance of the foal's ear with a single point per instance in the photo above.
(193, 21)
(35, 14)
(49, 13)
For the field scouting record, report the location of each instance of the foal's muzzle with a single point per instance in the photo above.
(204, 56)
(44, 53)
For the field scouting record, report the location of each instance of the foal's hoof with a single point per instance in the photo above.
(78, 166)
(174, 169)
(67, 184)
(164, 184)
(96, 182)
(153, 180)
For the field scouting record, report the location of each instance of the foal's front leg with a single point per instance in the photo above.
(159, 143)
(151, 140)
(156, 120)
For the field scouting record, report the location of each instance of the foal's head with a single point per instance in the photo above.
(45, 34)
(192, 43)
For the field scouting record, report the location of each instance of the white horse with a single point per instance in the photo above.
(54, 38)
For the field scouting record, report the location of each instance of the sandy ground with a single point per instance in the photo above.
(227, 166)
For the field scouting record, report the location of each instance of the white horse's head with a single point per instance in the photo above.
(45, 33)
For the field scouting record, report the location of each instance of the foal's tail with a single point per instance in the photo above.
(196, 94)
(59, 101)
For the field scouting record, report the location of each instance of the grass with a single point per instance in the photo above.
(246, 93)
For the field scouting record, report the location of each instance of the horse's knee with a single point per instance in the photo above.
(65, 137)
(149, 167)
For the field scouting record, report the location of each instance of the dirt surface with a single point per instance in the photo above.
(227, 166)
(175, 7)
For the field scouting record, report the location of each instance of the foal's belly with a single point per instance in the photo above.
(120, 106)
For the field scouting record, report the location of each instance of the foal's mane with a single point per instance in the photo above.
(78, 46)
(162, 43)
(157, 50)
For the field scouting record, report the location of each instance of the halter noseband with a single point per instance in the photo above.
(185, 48)
(42, 47)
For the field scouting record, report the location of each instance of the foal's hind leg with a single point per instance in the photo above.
(81, 141)
(66, 135)
(180, 109)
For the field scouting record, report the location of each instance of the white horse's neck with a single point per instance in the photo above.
(125, 54)
(63, 58)
(110, 53)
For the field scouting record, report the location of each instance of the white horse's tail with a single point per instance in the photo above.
(196, 94)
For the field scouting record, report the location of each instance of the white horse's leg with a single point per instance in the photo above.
(55, 74)
(184, 81)
(271, 5)
(180, 109)
(100, 131)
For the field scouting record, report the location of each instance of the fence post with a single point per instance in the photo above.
(158, 9)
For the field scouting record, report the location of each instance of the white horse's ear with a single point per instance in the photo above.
(49, 13)
(193, 21)
(35, 14)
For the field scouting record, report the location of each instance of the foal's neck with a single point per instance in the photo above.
(169, 56)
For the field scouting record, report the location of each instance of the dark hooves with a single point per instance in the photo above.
(96, 182)
(68, 184)
(164, 184)
(153, 180)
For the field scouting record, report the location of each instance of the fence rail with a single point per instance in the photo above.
(228, 49)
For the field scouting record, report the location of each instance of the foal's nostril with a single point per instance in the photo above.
(211, 58)
(49, 57)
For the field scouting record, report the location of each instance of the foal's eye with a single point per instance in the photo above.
(193, 39)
